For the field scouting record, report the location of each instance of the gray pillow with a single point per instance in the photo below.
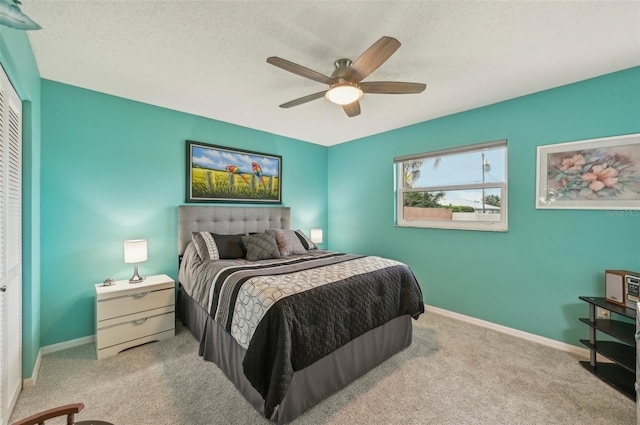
(288, 242)
(261, 246)
(205, 245)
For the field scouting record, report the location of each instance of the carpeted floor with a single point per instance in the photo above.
(453, 373)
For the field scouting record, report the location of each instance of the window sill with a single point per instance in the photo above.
(483, 227)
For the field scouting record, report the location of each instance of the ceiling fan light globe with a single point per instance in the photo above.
(344, 94)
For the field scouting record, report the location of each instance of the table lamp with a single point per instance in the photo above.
(135, 251)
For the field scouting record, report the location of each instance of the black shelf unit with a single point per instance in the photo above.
(621, 374)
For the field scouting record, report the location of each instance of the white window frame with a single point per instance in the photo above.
(497, 226)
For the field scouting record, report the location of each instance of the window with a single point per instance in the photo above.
(460, 188)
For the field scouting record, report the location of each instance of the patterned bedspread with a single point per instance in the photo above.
(289, 313)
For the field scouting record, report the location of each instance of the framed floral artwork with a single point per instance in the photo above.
(602, 174)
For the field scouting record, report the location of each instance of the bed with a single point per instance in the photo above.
(326, 319)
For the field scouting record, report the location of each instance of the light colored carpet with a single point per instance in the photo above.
(453, 373)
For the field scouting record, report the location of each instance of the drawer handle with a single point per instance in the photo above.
(139, 321)
(140, 295)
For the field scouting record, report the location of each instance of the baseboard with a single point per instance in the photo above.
(572, 349)
(68, 344)
(30, 382)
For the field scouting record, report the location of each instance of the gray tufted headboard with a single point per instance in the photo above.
(228, 220)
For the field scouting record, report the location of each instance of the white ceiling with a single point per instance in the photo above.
(208, 58)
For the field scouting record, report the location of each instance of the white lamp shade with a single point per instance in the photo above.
(316, 235)
(135, 251)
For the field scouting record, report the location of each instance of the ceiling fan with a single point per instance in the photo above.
(345, 83)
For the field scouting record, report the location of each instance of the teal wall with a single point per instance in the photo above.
(108, 169)
(530, 277)
(114, 169)
(16, 57)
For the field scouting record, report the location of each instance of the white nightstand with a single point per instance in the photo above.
(130, 314)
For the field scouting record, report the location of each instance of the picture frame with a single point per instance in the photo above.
(223, 174)
(593, 174)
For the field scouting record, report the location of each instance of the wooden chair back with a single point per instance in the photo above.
(38, 419)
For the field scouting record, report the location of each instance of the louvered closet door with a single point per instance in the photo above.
(10, 247)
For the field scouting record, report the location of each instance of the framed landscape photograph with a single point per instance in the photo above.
(590, 174)
(223, 174)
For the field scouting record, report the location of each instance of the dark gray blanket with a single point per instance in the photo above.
(303, 328)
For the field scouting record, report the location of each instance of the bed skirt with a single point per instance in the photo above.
(308, 386)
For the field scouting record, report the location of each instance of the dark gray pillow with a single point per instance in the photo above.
(229, 246)
(261, 246)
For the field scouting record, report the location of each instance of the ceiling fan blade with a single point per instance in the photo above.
(300, 70)
(392, 87)
(352, 109)
(372, 58)
(304, 99)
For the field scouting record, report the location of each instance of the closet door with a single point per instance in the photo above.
(10, 247)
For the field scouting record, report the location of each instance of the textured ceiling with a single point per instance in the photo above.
(208, 58)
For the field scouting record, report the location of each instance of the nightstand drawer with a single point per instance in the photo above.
(133, 303)
(136, 326)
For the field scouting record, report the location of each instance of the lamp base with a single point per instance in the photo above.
(136, 278)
